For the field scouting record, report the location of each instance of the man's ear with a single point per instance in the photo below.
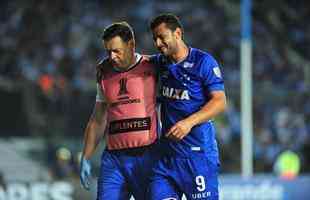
(131, 43)
(178, 33)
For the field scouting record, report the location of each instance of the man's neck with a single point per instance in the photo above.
(135, 58)
(181, 53)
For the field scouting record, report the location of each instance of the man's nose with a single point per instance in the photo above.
(113, 55)
(158, 42)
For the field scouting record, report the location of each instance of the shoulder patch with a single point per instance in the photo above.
(217, 72)
(101, 68)
(188, 65)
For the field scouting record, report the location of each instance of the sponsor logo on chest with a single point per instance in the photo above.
(174, 93)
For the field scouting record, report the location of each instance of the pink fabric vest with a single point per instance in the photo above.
(131, 96)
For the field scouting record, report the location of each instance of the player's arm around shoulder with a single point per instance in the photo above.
(152, 59)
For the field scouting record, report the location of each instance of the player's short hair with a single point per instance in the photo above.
(171, 21)
(121, 29)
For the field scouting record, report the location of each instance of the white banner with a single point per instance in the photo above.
(37, 191)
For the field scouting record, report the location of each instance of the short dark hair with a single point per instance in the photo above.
(121, 29)
(171, 21)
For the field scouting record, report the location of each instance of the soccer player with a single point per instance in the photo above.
(125, 105)
(192, 93)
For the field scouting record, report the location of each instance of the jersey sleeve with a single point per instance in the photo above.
(153, 59)
(157, 59)
(211, 74)
(100, 97)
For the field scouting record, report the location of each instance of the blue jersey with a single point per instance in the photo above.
(185, 88)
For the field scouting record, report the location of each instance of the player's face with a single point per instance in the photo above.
(165, 39)
(120, 52)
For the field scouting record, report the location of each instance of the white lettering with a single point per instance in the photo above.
(62, 191)
(165, 91)
(39, 191)
(17, 192)
(201, 195)
(185, 95)
(175, 93)
(171, 90)
(201, 184)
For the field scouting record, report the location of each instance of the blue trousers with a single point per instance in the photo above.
(194, 176)
(125, 172)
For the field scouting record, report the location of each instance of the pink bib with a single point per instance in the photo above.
(131, 96)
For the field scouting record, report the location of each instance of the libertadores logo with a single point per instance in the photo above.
(123, 87)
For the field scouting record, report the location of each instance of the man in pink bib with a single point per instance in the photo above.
(125, 112)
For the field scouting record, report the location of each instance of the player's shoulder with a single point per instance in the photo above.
(152, 60)
(204, 58)
(102, 63)
(147, 64)
(102, 68)
(149, 58)
(146, 58)
(201, 55)
(160, 59)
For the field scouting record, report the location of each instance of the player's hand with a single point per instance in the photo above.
(178, 131)
(85, 173)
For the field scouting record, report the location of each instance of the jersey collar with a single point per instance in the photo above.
(138, 59)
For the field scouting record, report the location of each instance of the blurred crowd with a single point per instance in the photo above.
(53, 46)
